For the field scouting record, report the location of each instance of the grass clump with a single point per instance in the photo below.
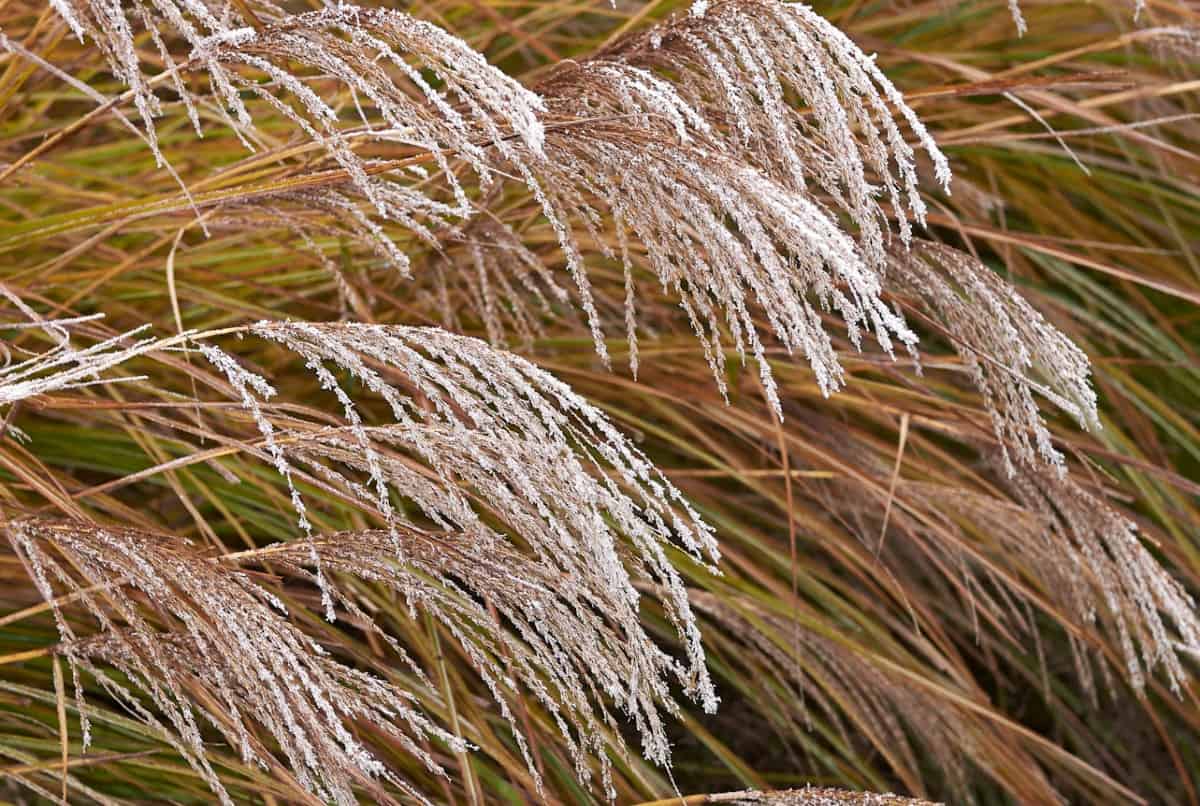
(734, 402)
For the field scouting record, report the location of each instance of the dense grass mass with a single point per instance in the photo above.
(635, 402)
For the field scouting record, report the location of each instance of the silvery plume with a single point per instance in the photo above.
(487, 444)
(257, 667)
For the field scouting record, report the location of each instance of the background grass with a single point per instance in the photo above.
(882, 619)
